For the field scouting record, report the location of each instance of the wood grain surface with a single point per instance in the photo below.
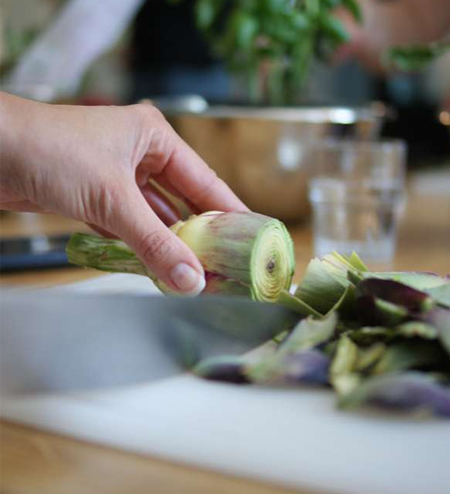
(35, 462)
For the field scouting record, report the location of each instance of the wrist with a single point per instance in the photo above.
(17, 133)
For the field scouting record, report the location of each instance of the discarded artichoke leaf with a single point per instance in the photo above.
(226, 368)
(414, 279)
(416, 329)
(346, 304)
(345, 384)
(345, 358)
(326, 280)
(320, 289)
(305, 366)
(372, 334)
(396, 293)
(376, 312)
(411, 391)
(440, 318)
(296, 304)
(310, 333)
(440, 294)
(404, 355)
(357, 263)
(297, 358)
(368, 357)
(352, 262)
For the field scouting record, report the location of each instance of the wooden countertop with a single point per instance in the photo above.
(33, 462)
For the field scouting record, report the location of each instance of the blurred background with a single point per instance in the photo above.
(148, 49)
(251, 85)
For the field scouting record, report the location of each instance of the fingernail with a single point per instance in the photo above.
(187, 279)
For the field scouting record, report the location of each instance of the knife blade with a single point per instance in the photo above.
(64, 342)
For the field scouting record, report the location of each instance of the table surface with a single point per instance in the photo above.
(33, 461)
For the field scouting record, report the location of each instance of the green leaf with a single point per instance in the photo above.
(416, 57)
(312, 8)
(319, 288)
(440, 318)
(297, 305)
(297, 359)
(416, 329)
(368, 357)
(417, 280)
(344, 384)
(354, 8)
(369, 335)
(334, 28)
(440, 294)
(345, 358)
(310, 333)
(411, 355)
(206, 12)
(244, 28)
(391, 314)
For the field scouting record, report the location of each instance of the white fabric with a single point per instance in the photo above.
(82, 31)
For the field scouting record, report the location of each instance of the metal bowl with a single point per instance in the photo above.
(265, 154)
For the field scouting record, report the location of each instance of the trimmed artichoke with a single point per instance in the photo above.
(242, 253)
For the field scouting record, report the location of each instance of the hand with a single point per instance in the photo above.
(93, 164)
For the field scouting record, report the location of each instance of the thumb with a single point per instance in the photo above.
(164, 254)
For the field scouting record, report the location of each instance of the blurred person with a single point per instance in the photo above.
(388, 23)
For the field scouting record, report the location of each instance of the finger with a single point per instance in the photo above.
(23, 207)
(165, 255)
(191, 177)
(101, 231)
(161, 180)
(164, 208)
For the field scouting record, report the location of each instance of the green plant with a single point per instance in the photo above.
(272, 44)
(15, 44)
(416, 57)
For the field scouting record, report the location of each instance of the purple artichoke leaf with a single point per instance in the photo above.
(411, 391)
(290, 369)
(440, 295)
(227, 368)
(373, 311)
(415, 279)
(396, 293)
(413, 354)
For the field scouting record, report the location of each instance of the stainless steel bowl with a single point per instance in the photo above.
(265, 154)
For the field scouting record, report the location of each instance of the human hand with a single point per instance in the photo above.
(94, 164)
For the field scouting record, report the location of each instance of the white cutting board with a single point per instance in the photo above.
(292, 437)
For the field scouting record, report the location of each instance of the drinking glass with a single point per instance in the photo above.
(357, 193)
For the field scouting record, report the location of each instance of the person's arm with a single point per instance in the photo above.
(93, 164)
(389, 23)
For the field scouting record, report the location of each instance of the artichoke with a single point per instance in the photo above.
(242, 253)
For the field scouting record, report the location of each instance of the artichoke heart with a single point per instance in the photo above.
(242, 253)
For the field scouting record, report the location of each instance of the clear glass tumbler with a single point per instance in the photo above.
(357, 193)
